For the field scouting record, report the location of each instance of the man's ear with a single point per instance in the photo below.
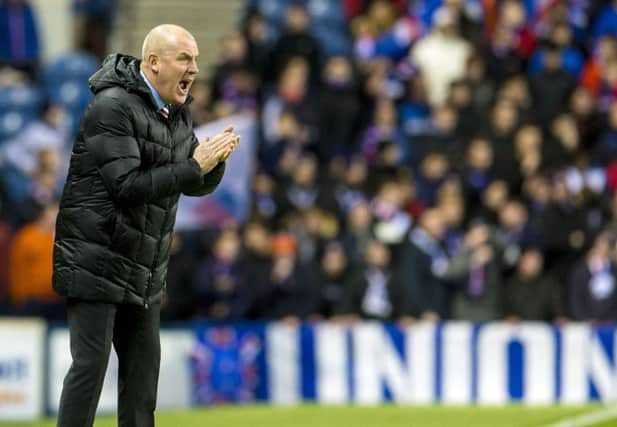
(153, 60)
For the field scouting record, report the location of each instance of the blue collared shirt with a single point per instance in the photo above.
(157, 98)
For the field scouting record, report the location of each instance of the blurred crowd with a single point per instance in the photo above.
(417, 160)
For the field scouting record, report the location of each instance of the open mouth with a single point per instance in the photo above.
(184, 86)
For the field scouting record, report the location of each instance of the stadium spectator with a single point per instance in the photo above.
(201, 108)
(179, 300)
(94, 20)
(511, 41)
(564, 229)
(257, 260)
(5, 242)
(338, 109)
(335, 270)
(304, 190)
(391, 222)
(220, 286)
(606, 22)
(371, 291)
(31, 268)
(605, 151)
(476, 268)
(422, 265)
(604, 51)
(552, 87)
(234, 85)
(589, 121)
(358, 230)
(441, 55)
(19, 44)
(296, 41)
(291, 289)
(531, 294)
(592, 294)
(23, 153)
(518, 123)
(259, 43)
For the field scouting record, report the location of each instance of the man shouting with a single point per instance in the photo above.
(134, 155)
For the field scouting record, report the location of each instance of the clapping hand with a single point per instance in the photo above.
(217, 149)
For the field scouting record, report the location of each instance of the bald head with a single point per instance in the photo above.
(162, 38)
(169, 61)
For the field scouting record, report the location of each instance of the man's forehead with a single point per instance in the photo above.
(182, 43)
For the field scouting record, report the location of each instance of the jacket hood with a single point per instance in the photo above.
(123, 71)
(117, 70)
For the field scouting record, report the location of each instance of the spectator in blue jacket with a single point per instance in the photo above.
(19, 41)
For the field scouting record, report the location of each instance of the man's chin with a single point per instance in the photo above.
(180, 99)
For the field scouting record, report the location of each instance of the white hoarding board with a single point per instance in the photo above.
(22, 346)
(174, 382)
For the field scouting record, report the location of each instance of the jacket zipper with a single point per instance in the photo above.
(148, 286)
(158, 246)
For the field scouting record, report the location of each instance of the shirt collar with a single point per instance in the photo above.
(157, 98)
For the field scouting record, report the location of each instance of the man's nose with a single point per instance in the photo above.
(193, 68)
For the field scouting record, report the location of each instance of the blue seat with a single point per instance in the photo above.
(73, 95)
(333, 40)
(72, 66)
(11, 122)
(328, 12)
(273, 10)
(27, 99)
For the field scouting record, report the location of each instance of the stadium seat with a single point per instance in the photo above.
(12, 122)
(328, 12)
(273, 10)
(333, 41)
(73, 95)
(27, 99)
(73, 66)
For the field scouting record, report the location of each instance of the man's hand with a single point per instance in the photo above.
(215, 150)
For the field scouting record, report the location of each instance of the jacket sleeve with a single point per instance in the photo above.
(109, 138)
(210, 181)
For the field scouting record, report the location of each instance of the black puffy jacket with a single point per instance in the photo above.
(128, 167)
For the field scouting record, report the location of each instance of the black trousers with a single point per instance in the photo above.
(134, 333)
